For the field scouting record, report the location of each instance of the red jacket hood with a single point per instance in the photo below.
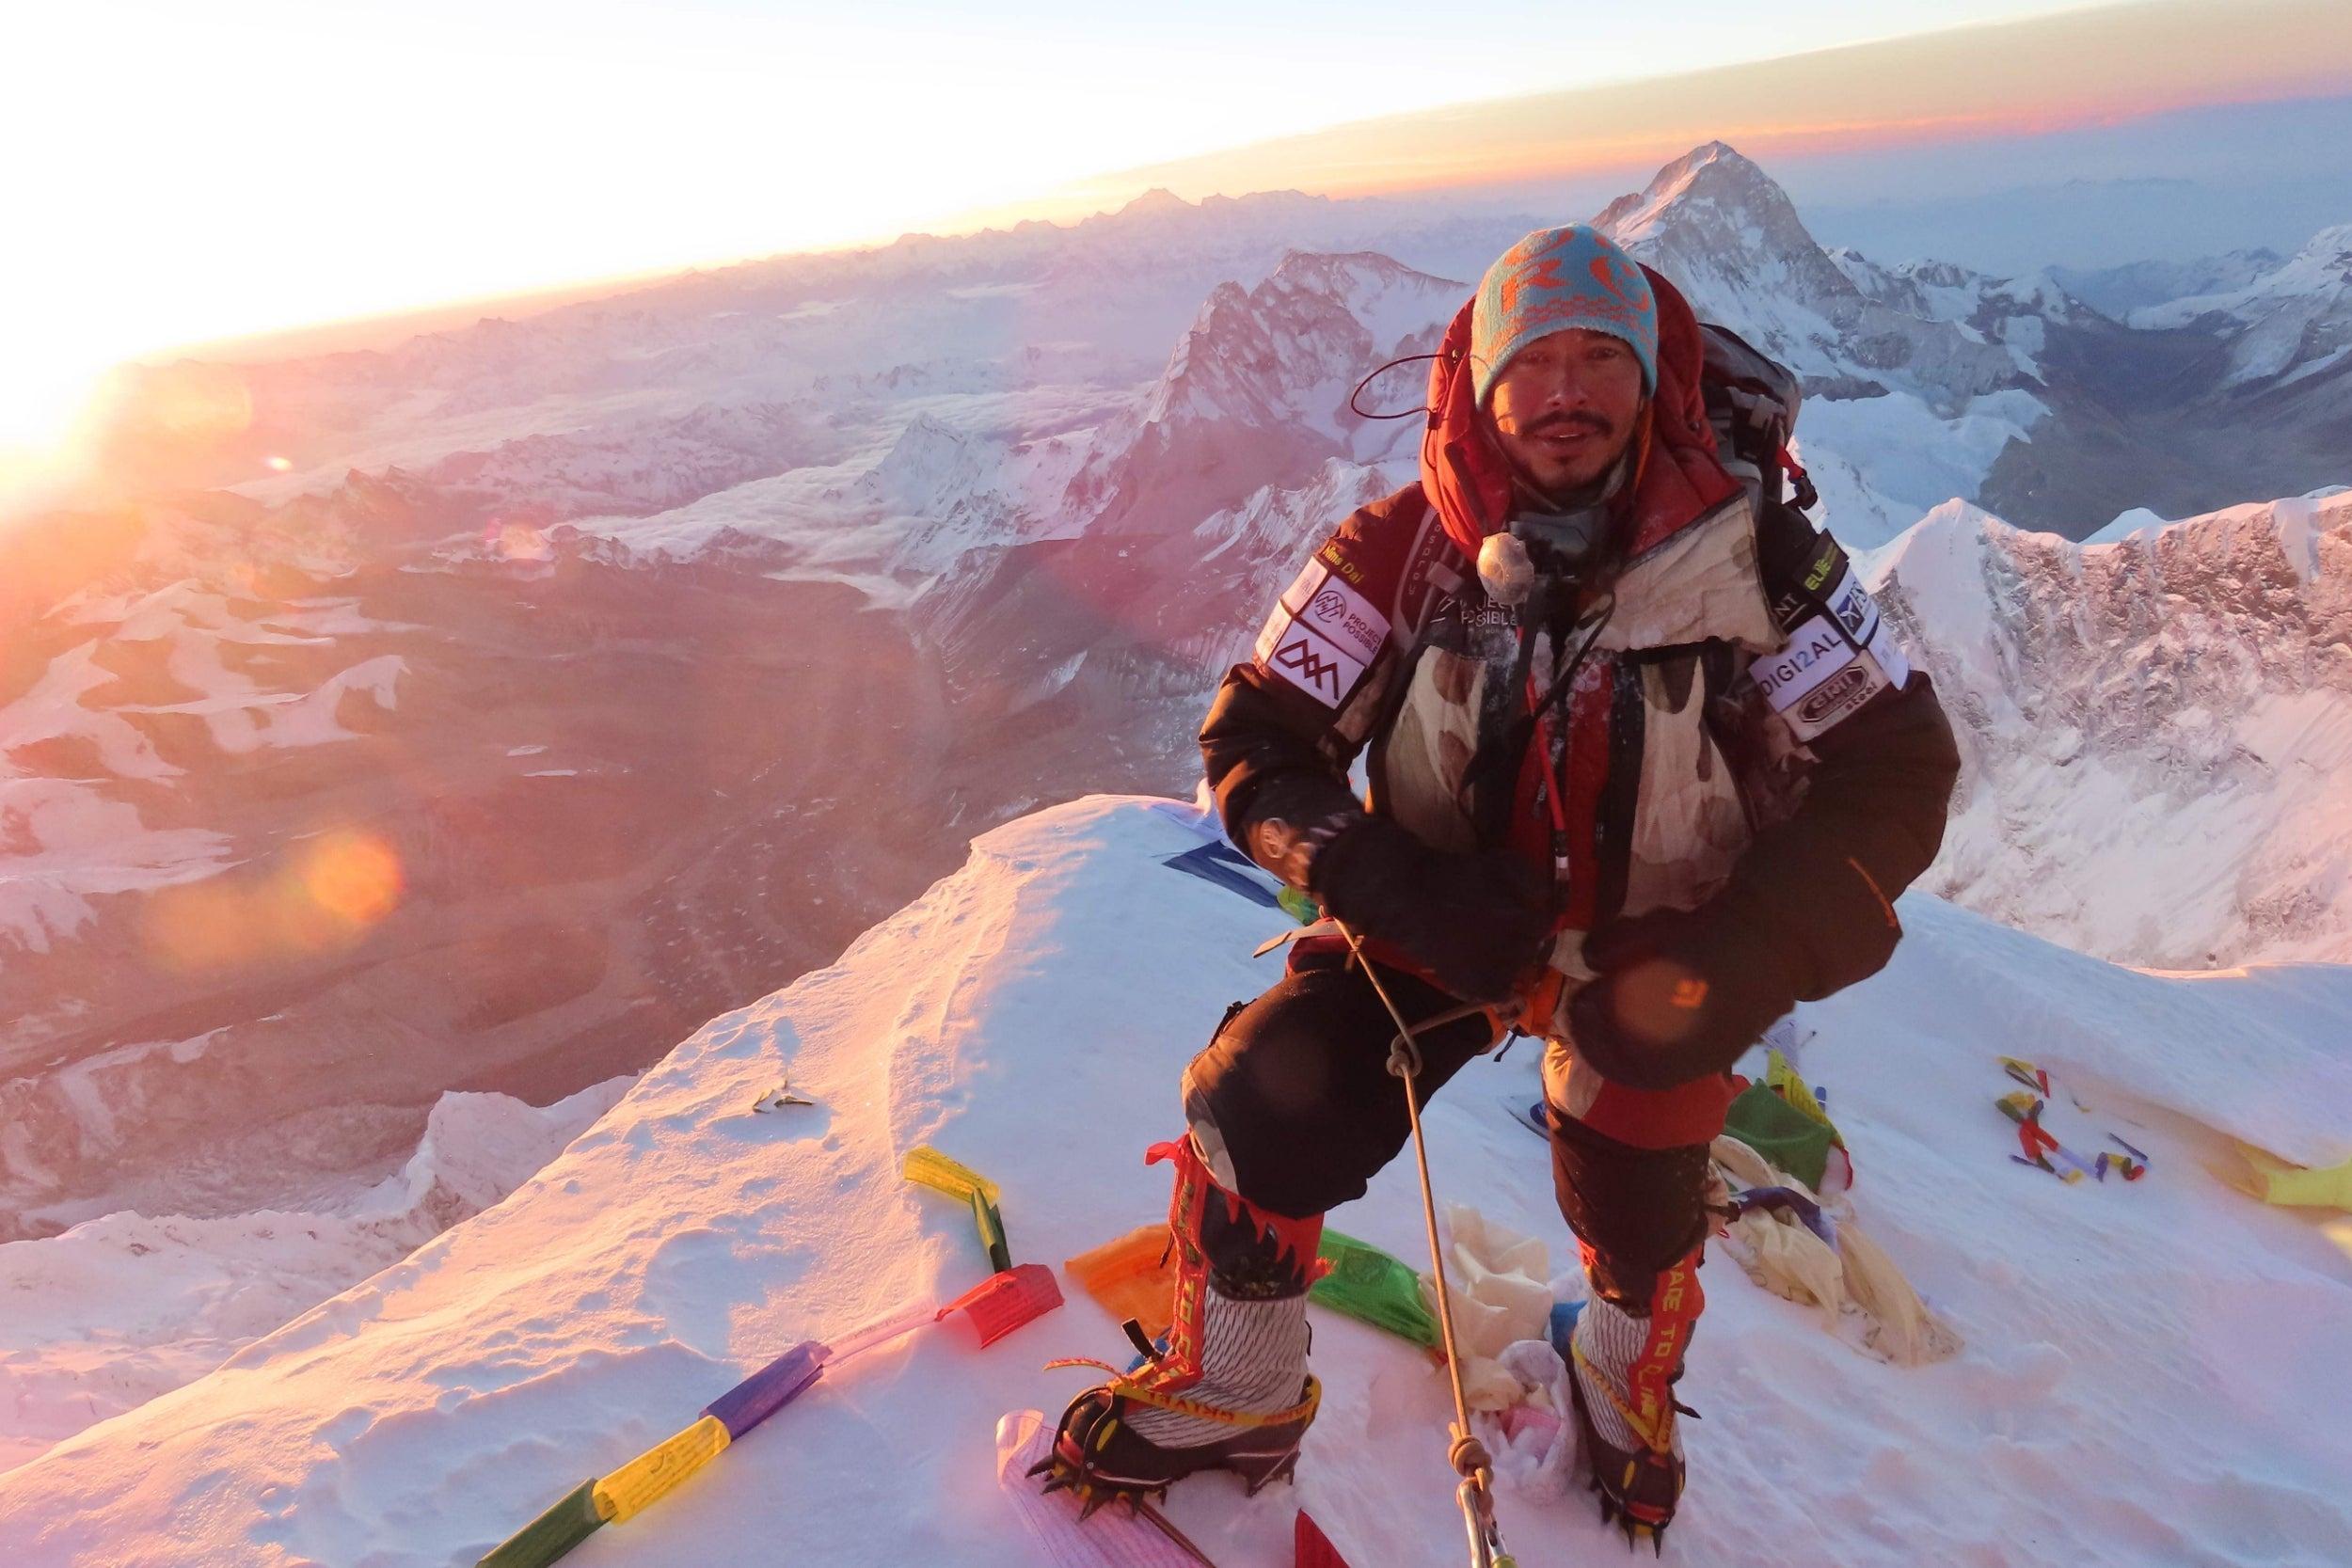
(1466, 477)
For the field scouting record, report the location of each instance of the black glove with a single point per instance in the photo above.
(1681, 995)
(1476, 923)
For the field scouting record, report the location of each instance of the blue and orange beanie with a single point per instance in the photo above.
(1554, 279)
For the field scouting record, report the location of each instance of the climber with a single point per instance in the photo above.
(1646, 767)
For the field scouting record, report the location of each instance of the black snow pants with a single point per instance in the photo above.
(1296, 1092)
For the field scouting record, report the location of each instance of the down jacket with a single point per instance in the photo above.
(1746, 729)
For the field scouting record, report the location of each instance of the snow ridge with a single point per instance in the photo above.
(206, 1287)
(2188, 686)
(1023, 1017)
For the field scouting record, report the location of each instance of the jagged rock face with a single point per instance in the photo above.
(1257, 391)
(2156, 731)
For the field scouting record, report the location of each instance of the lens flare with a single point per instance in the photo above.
(354, 877)
(323, 896)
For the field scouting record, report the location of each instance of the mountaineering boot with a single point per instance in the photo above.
(1229, 1389)
(1623, 1392)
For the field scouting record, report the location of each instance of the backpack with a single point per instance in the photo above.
(1752, 400)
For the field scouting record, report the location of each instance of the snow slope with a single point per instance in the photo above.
(119, 1309)
(2156, 730)
(2153, 1374)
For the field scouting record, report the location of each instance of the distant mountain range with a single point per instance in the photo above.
(664, 641)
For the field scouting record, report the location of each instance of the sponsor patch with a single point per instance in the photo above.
(1308, 660)
(1322, 635)
(1834, 694)
(1827, 558)
(1345, 617)
(1889, 653)
(1854, 609)
(1821, 677)
(1836, 698)
(1859, 614)
(1817, 650)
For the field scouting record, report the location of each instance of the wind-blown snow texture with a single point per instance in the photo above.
(121, 1308)
(2151, 1376)
(2156, 731)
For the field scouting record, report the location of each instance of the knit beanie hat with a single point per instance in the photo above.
(1554, 279)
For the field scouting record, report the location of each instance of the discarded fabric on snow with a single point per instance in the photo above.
(1225, 866)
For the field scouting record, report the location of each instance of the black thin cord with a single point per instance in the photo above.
(1406, 413)
(1560, 685)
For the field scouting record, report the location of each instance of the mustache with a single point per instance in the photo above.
(1579, 419)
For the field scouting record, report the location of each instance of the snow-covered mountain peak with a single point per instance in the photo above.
(1712, 196)
(1256, 392)
(1159, 199)
(1730, 239)
(933, 467)
(2187, 686)
(2289, 324)
(1254, 354)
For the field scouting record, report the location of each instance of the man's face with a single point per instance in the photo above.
(1564, 407)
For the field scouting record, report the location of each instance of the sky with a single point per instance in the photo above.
(182, 173)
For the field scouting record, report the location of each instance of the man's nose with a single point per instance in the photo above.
(1565, 388)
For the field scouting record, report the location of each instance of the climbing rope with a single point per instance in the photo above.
(1467, 1454)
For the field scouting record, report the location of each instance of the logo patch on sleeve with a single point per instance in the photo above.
(1346, 618)
(1307, 660)
(1817, 650)
(1322, 635)
(1859, 614)
(1819, 678)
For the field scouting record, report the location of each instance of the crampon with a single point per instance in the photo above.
(1638, 1488)
(1098, 1455)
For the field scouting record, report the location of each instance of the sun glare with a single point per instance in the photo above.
(472, 152)
(322, 897)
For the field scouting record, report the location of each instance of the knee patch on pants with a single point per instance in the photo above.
(1293, 1099)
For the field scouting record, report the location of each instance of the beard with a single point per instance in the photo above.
(1562, 482)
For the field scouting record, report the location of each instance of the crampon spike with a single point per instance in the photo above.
(1286, 1468)
(1136, 1536)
